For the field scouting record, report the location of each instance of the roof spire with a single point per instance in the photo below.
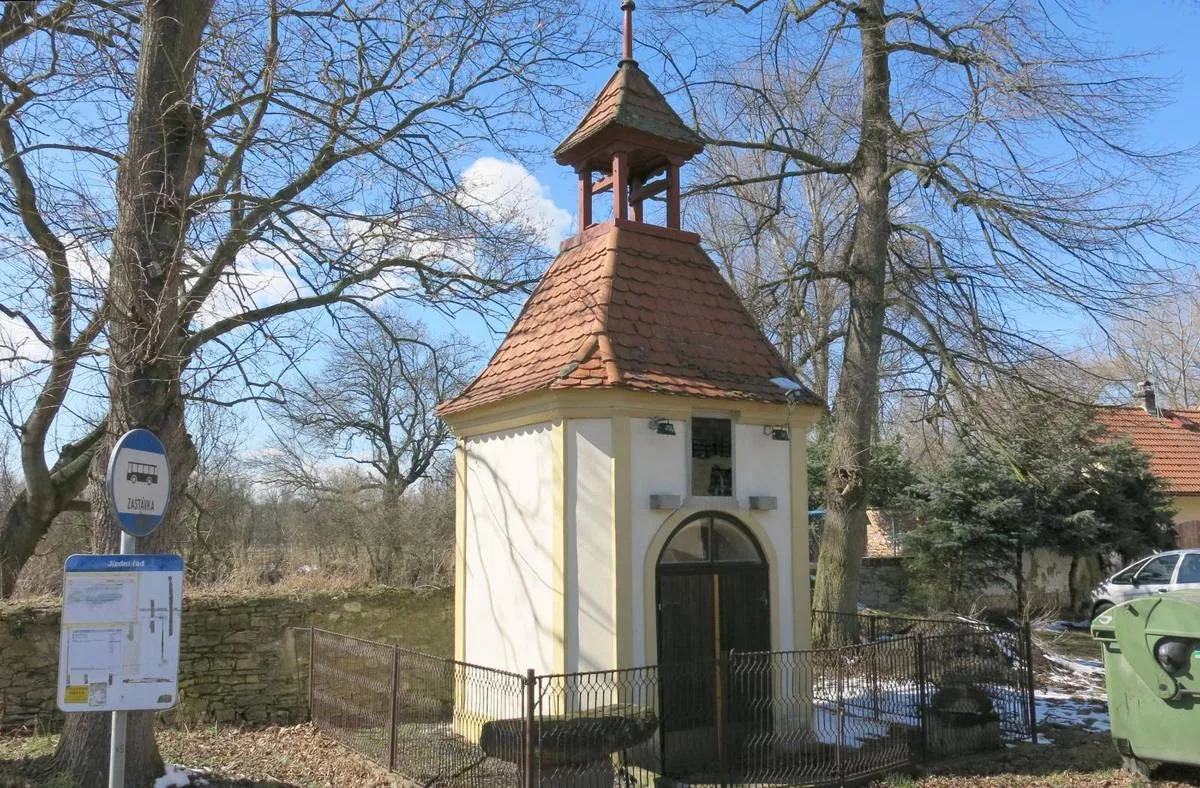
(627, 52)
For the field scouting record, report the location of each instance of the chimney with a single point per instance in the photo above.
(1146, 392)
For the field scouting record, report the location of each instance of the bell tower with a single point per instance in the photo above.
(631, 143)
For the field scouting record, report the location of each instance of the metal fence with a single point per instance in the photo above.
(823, 716)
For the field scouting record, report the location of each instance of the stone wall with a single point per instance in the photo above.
(241, 659)
(884, 583)
(1048, 584)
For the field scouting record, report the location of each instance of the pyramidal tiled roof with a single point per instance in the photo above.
(631, 101)
(1170, 437)
(632, 306)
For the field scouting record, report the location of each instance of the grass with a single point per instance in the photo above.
(1072, 643)
(37, 745)
(1077, 759)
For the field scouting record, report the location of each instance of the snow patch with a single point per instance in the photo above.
(181, 777)
(1066, 626)
(1071, 711)
(1076, 664)
(846, 729)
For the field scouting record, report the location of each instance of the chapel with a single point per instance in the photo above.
(631, 463)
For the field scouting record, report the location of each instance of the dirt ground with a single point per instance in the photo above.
(1077, 759)
(289, 757)
(298, 757)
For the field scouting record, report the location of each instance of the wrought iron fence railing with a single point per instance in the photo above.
(823, 716)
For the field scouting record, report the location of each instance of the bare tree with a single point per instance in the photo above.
(774, 250)
(993, 160)
(161, 162)
(179, 180)
(371, 408)
(216, 518)
(332, 138)
(1161, 345)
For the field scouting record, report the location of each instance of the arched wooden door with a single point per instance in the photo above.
(713, 599)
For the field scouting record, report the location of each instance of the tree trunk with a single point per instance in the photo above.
(1073, 585)
(30, 515)
(21, 531)
(844, 537)
(1019, 573)
(154, 180)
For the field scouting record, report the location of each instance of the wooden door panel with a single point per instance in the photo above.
(687, 682)
(745, 632)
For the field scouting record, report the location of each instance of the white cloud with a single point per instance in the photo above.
(503, 191)
(19, 346)
(256, 281)
(502, 188)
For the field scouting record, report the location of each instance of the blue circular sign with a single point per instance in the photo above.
(139, 481)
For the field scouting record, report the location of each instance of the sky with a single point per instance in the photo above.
(1169, 29)
(1169, 32)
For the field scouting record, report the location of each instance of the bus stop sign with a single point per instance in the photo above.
(139, 481)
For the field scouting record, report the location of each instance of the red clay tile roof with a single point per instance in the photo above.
(631, 101)
(638, 307)
(1172, 440)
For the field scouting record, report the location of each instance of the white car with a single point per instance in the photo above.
(1156, 574)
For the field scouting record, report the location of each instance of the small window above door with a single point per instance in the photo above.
(711, 538)
(712, 457)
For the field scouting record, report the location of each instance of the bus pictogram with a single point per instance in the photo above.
(142, 472)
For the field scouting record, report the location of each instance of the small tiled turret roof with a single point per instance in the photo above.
(633, 306)
(630, 101)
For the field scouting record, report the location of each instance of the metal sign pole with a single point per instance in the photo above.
(116, 745)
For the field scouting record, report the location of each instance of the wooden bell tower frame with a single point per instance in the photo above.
(635, 162)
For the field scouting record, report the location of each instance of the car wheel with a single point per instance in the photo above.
(1100, 607)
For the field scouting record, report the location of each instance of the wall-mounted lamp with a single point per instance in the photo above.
(662, 426)
(777, 433)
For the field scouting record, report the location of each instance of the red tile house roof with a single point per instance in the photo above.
(633, 306)
(1172, 440)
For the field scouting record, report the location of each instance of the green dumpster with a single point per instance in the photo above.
(1152, 667)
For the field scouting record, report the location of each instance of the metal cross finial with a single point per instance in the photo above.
(627, 53)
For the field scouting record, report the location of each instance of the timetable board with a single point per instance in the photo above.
(119, 646)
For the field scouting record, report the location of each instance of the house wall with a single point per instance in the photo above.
(659, 465)
(1047, 584)
(762, 466)
(591, 625)
(1187, 508)
(513, 595)
(557, 543)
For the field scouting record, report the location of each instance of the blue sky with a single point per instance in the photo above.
(1168, 30)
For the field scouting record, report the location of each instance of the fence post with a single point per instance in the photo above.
(530, 682)
(312, 650)
(395, 684)
(921, 700)
(874, 662)
(1027, 648)
(841, 719)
